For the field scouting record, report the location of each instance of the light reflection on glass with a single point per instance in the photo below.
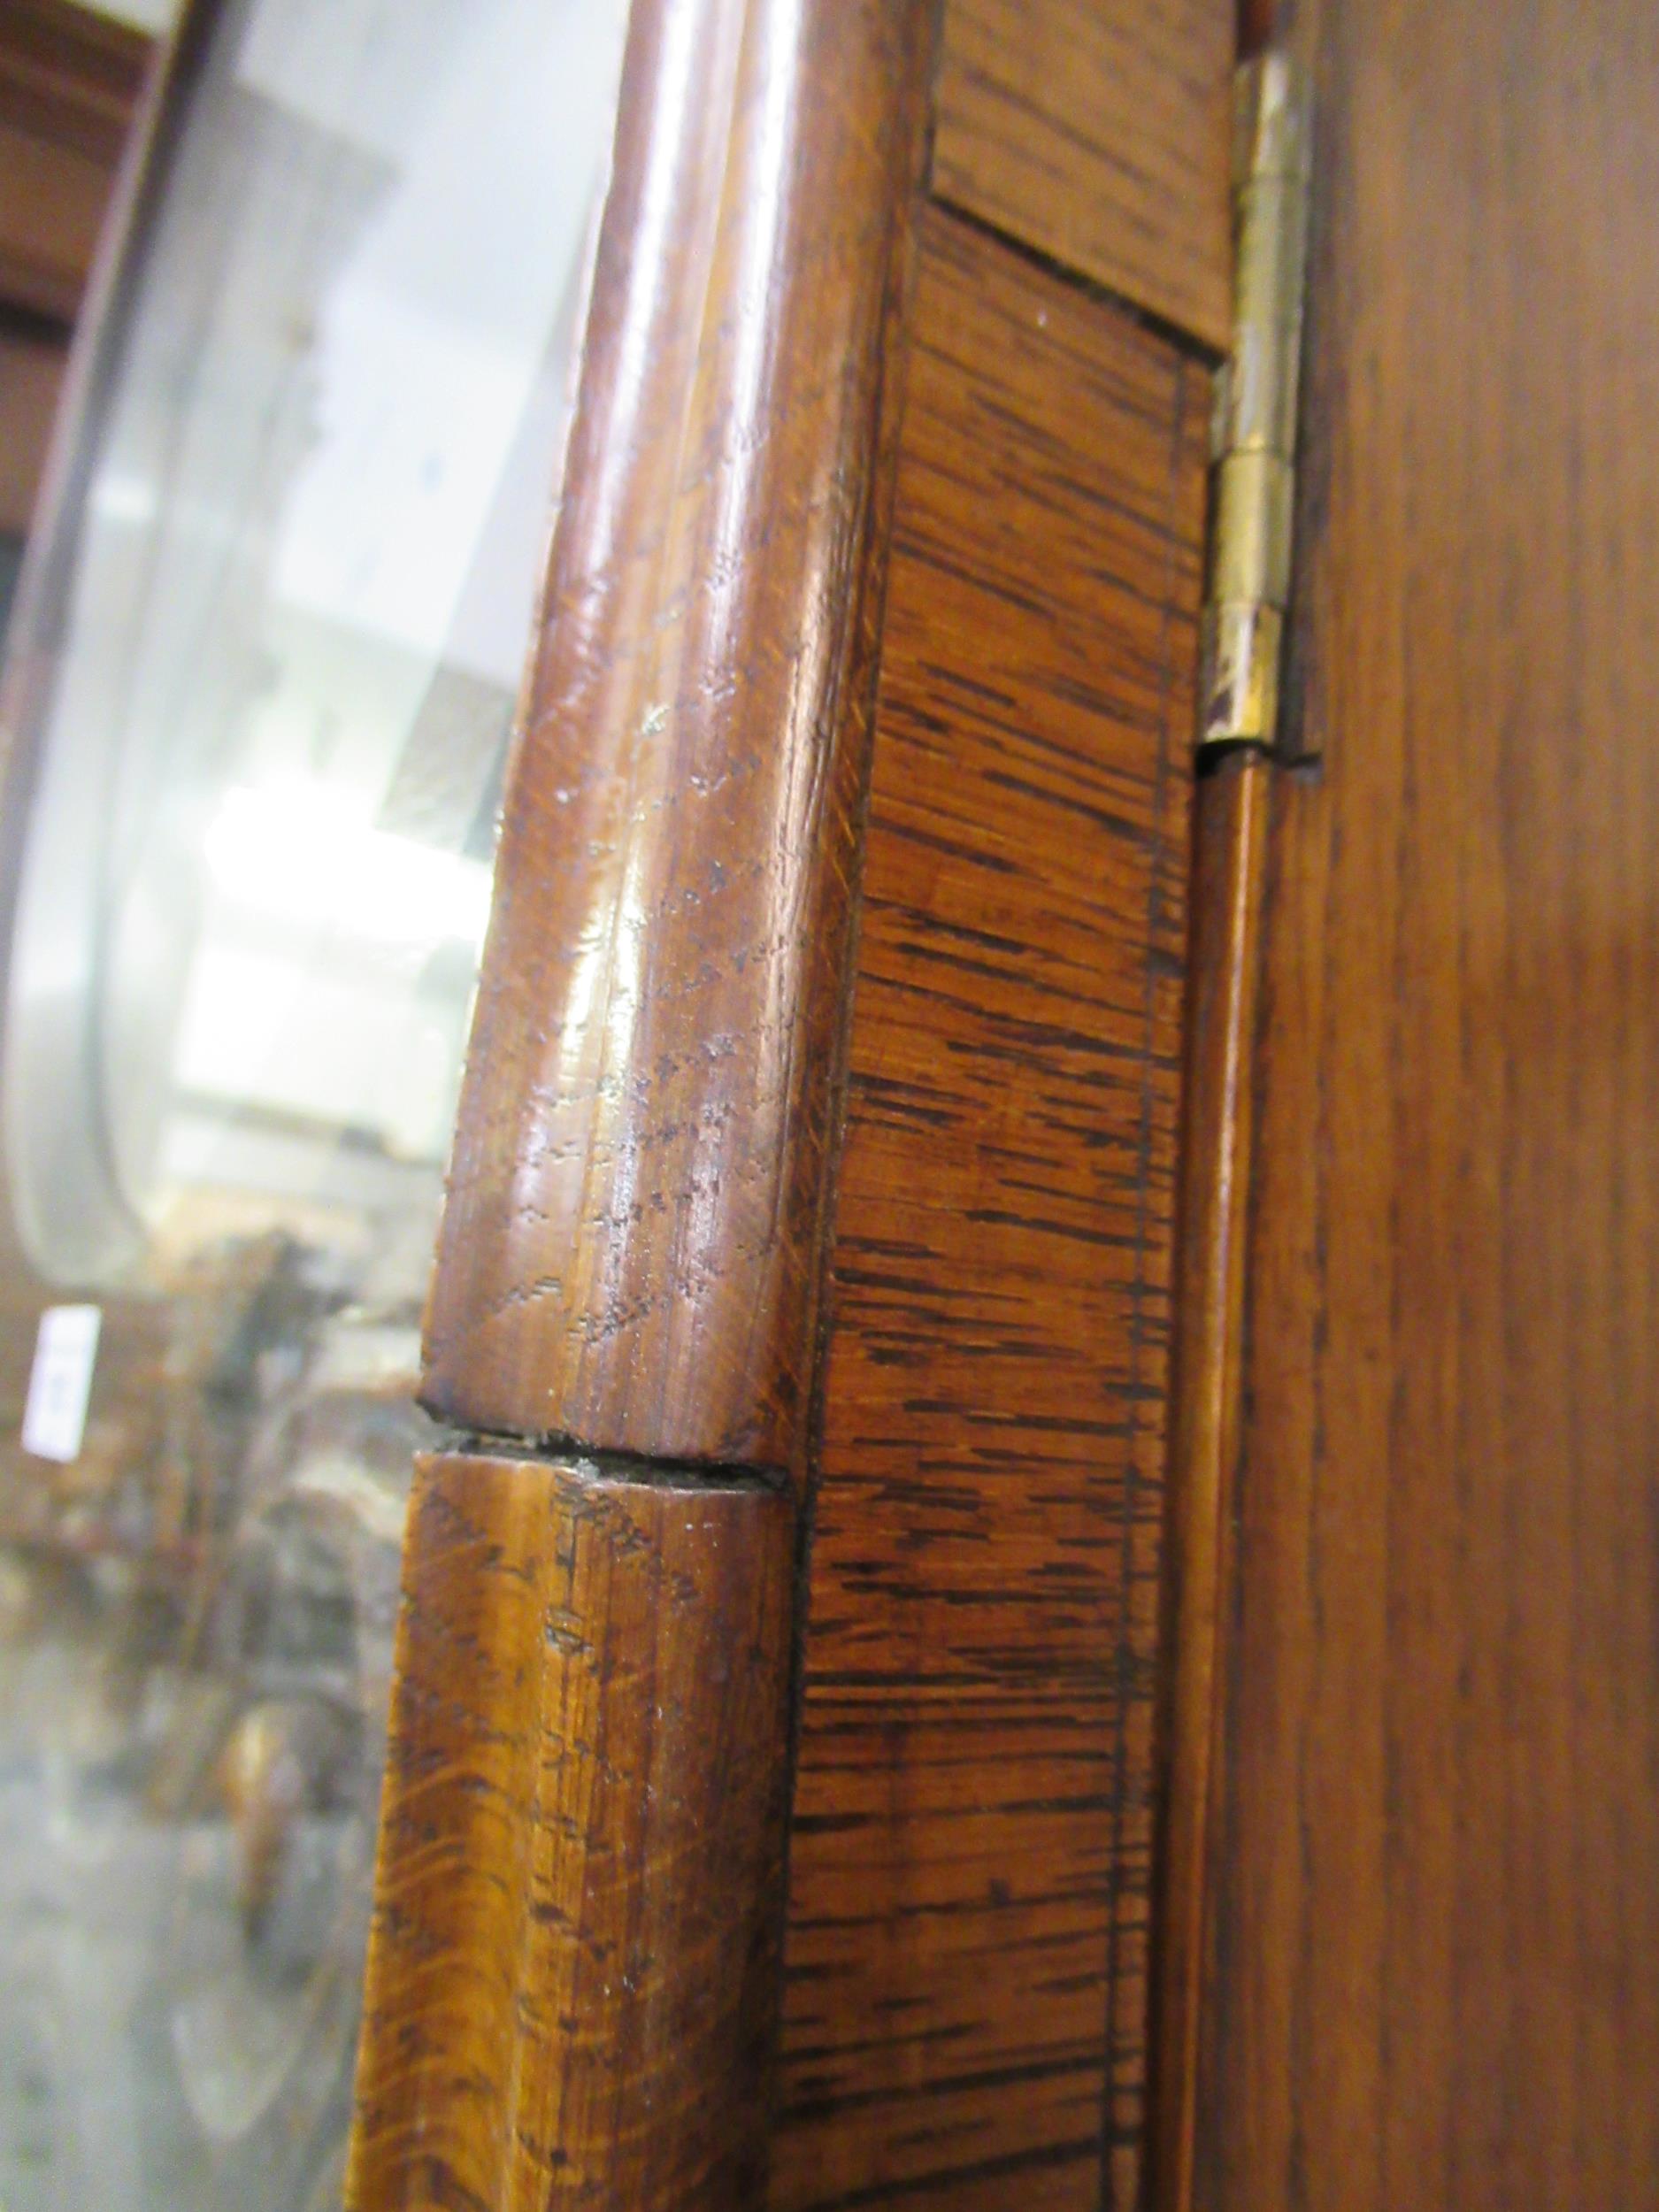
(252, 900)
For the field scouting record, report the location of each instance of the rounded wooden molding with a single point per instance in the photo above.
(629, 1251)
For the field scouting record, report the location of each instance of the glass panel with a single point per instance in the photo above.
(248, 907)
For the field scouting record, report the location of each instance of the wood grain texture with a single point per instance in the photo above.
(1231, 807)
(572, 1980)
(630, 1247)
(1097, 132)
(1437, 1871)
(965, 1958)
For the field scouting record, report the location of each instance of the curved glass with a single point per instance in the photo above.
(246, 914)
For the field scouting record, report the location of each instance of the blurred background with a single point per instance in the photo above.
(274, 490)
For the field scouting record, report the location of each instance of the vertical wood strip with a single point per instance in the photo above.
(965, 2008)
(572, 1980)
(630, 1246)
(1230, 816)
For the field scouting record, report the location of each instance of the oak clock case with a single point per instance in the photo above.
(257, 693)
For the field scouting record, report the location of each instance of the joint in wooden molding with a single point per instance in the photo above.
(584, 1463)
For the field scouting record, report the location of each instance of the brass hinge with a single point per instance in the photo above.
(1253, 441)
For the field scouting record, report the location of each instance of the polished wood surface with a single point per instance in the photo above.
(1436, 1868)
(573, 1973)
(1229, 809)
(965, 1963)
(1096, 132)
(630, 1249)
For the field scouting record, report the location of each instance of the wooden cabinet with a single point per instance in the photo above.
(1028, 1580)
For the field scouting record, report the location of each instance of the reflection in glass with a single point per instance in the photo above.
(249, 909)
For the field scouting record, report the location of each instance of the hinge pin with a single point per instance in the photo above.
(1253, 442)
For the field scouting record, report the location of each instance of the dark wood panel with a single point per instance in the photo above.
(70, 75)
(69, 84)
(31, 375)
(1097, 132)
(965, 1965)
(572, 1974)
(51, 208)
(630, 1247)
(1437, 1874)
(1256, 19)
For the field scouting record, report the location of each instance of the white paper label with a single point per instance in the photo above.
(60, 1382)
